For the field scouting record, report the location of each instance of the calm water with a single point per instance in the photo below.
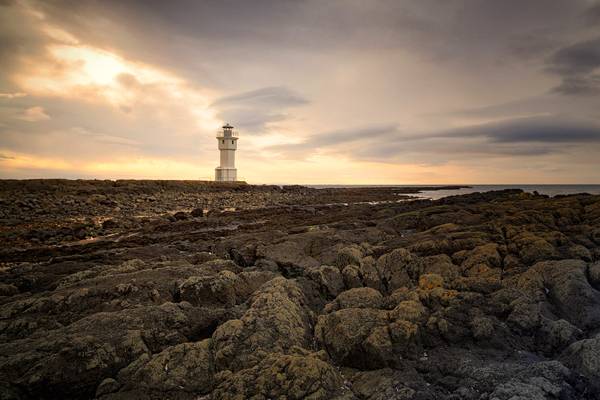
(550, 190)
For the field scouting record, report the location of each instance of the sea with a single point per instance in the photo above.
(550, 190)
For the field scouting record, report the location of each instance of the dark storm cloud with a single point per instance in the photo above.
(519, 137)
(579, 58)
(577, 65)
(548, 130)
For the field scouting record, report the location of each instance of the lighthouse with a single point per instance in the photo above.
(227, 139)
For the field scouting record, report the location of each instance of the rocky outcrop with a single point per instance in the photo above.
(293, 296)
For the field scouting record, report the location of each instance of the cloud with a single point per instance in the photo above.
(254, 110)
(12, 95)
(151, 79)
(336, 139)
(34, 114)
(576, 65)
(547, 130)
(520, 137)
(276, 96)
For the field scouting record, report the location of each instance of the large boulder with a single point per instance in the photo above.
(186, 367)
(71, 361)
(584, 357)
(224, 289)
(356, 298)
(278, 376)
(356, 337)
(276, 321)
(328, 278)
(399, 268)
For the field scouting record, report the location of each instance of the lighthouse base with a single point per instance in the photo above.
(225, 174)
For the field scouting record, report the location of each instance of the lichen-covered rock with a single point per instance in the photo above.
(344, 334)
(213, 290)
(225, 289)
(278, 376)
(356, 298)
(185, 367)
(554, 336)
(570, 292)
(276, 321)
(381, 384)
(594, 274)
(486, 254)
(351, 275)
(484, 296)
(399, 268)
(544, 381)
(328, 278)
(584, 357)
(8, 289)
(430, 281)
(410, 310)
(349, 255)
(482, 327)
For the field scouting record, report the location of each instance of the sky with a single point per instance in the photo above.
(320, 91)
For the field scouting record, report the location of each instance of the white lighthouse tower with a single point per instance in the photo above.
(227, 138)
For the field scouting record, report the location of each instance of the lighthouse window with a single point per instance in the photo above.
(232, 142)
(223, 141)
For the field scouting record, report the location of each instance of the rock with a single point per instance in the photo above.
(525, 316)
(398, 268)
(554, 336)
(345, 335)
(486, 254)
(197, 212)
(210, 290)
(224, 289)
(289, 255)
(381, 384)
(430, 281)
(482, 327)
(278, 376)
(584, 357)
(110, 224)
(594, 274)
(350, 255)
(185, 367)
(351, 275)
(442, 265)
(329, 279)
(276, 321)
(570, 292)
(409, 310)
(8, 289)
(356, 298)
(180, 216)
(109, 385)
(535, 249)
(542, 381)
(581, 252)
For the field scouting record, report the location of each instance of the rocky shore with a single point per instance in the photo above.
(155, 290)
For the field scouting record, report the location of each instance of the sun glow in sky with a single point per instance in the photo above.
(388, 92)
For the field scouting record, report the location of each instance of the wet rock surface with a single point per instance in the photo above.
(296, 294)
